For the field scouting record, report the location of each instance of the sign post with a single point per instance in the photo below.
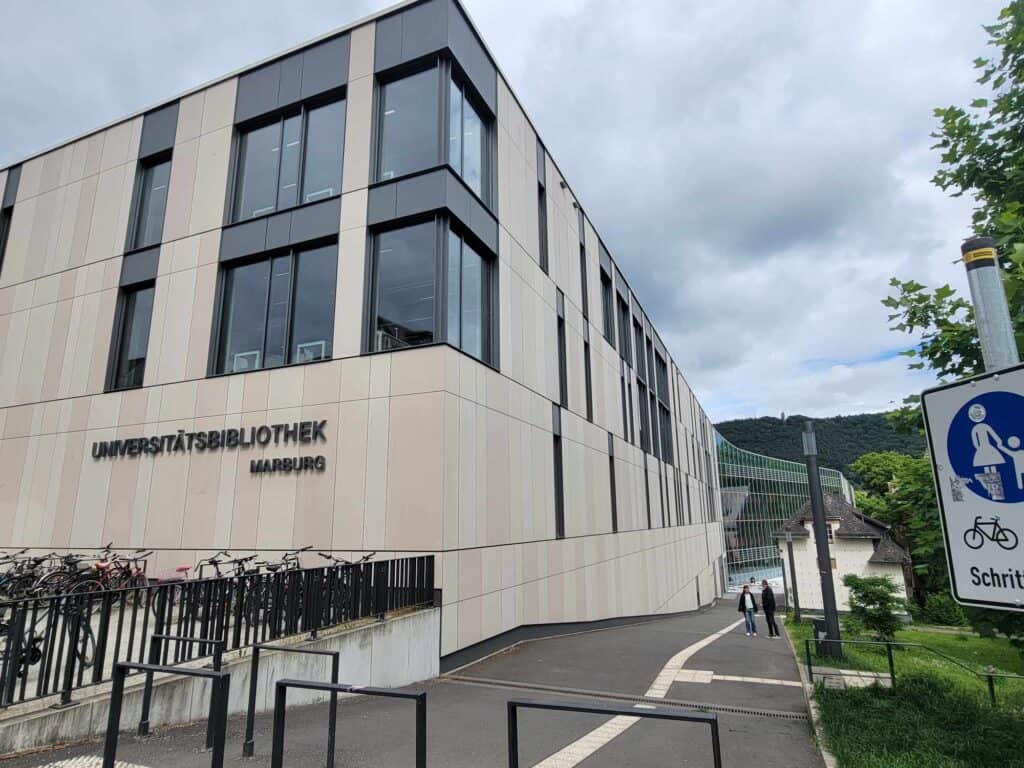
(976, 439)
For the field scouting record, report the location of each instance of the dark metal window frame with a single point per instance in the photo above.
(120, 312)
(558, 459)
(6, 216)
(443, 224)
(588, 380)
(608, 308)
(303, 109)
(144, 164)
(216, 329)
(446, 69)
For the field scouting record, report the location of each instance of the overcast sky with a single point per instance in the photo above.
(758, 169)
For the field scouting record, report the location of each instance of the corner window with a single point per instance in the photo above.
(278, 311)
(408, 125)
(467, 139)
(131, 337)
(152, 202)
(408, 309)
(295, 159)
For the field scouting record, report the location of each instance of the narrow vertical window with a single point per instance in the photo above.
(132, 339)
(647, 491)
(588, 381)
(624, 351)
(584, 298)
(642, 404)
(152, 202)
(542, 226)
(405, 286)
(325, 147)
(559, 490)
(5, 228)
(467, 139)
(563, 376)
(607, 308)
(469, 291)
(611, 483)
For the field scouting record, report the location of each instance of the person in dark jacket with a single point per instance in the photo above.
(748, 607)
(768, 603)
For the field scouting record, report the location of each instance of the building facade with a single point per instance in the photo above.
(345, 298)
(857, 544)
(759, 494)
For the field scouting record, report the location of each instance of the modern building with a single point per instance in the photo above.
(759, 494)
(346, 298)
(858, 544)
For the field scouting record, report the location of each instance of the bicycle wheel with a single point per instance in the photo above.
(1008, 539)
(973, 538)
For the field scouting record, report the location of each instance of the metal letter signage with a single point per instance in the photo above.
(976, 438)
(207, 441)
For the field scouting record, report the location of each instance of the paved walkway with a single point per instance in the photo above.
(702, 658)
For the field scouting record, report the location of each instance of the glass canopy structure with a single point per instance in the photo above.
(758, 494)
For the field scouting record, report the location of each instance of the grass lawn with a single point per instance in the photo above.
(921, 723)
(974, 652)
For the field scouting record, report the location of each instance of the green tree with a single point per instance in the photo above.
(899, 490)
(982, 155)
(874, 602)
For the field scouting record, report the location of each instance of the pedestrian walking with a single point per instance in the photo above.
(768, 604)
(748, 607)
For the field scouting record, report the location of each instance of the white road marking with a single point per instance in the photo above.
(761, 680)
(584, 747)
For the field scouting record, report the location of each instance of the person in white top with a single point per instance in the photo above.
(748, 607)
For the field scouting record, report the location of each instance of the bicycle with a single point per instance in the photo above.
(976, 536)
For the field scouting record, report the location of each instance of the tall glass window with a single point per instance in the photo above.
(624, 352)
(278, 311)
(408, 125)
(405, 286)
(295, 159)
(584, 298)
(149, 216)
(607, 307)
(133, 337)
(467, 139)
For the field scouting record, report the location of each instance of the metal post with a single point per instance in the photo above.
(248, 747)
(828, 590)
(277, 749)
(810, 668)
(991, 314)
(333, 711)
(992, 690)
(792, 576)
(15, 638)
(211, 724)
(716, 747)
(892, 666)
(421, 730)
(147, 689)
(218, 724)
(513, 736)
(69, 668)
(114, 717)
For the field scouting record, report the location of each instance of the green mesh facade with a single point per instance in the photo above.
(758, 494)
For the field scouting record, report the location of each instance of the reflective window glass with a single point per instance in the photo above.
(325, 145)
(258, 160)
(455, 127)
(133, 343)
(291, 159)
(149, 223)
(276, 347)
(473, 137)
(313, 323)
(405, 287)
(244, 315)
(408, 125)
(474, 314)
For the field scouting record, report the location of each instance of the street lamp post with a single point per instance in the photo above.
(828, 590)
(792, 577)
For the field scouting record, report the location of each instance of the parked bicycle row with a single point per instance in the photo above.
(25, 575)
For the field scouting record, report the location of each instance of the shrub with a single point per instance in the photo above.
(873, 605)
(941, 608)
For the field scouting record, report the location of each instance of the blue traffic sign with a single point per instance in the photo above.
(985, 443)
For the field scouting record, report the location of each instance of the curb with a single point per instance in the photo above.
(819, 733)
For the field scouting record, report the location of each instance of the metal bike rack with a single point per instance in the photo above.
(216, 726)
(248, 746)
(154, 662)
(280, 704)
(649, 711)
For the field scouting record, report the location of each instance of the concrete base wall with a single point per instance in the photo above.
(393, 653)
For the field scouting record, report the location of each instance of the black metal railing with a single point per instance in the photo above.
(57, 644)
(990, 676)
